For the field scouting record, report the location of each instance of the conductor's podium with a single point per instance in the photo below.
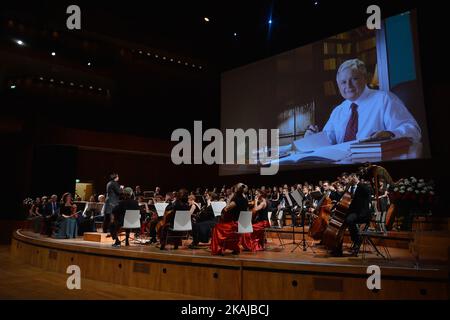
(96, 237)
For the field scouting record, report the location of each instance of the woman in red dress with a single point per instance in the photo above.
(224, 234)
(255, 241)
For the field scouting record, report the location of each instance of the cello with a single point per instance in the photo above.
(334, 233)
(321, 217)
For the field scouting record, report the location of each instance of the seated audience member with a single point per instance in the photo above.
(86, 219)
(51, 214)
(224, 235)
(255, 241)
(206, 220)
(181, 203)
(127, 203)
(100, 215)
(66, 224)
(35, 215)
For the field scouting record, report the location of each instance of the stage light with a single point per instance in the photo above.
(89, 64)
(90, 87)
(178, 61)
(206, 19)
(148, 54)
(164, 58)
(53, 53)
(13, 86)
(171, 59)
(61, 82)
(235, 34)
(51, 80)
(71, 84)
(81, 86)
(41, 78)
(156, 56)
(140, 52)
(20, 42)
(270, 21)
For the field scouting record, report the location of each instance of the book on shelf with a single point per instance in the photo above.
(380, 146)
(329, 64)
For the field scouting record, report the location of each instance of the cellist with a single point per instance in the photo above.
(358, 212)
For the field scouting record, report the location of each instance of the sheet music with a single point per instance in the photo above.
(297, 197)
(160, 208)
(217, 207)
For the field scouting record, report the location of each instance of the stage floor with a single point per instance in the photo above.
(243, 276)
(315, 255)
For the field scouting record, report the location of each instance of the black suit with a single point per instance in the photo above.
(113, 192)
(359, 211)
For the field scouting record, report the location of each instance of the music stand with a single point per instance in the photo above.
(304, 244)
(297, 200)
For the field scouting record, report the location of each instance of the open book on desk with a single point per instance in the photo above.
(333, 153)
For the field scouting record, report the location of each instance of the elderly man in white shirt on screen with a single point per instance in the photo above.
(367, 113)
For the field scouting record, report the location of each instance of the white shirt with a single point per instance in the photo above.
(377, 111)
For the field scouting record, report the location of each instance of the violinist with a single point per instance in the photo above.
(194, 208)
(255, 240)
(181, 203)
(358, 212)
(224, 235)
(205, 221)
(286, 206)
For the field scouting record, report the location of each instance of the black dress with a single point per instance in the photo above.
(201, 230)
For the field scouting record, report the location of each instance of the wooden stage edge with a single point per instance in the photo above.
(270, 275)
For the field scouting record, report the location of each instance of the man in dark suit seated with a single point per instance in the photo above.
(359, 210)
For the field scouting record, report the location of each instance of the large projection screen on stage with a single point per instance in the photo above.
(300, 89)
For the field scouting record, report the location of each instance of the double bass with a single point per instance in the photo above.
(334, 233)
(320, 217)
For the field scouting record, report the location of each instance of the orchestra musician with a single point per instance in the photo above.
(255, 240)
(224, 235)
(180, 203)
(194, 208)
(286, 206)
(358, 212)
(127, 203)
(205, 221)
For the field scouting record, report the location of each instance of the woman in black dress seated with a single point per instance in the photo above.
(66, 225)
(205, 221)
